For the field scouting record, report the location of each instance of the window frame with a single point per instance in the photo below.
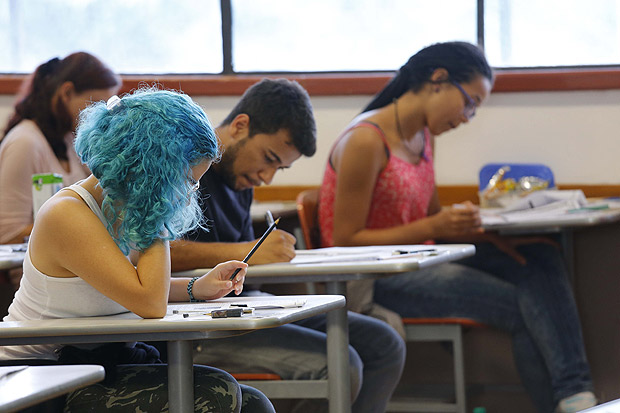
(368, 83)
(356, 83)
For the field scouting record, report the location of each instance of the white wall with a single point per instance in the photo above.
(575, 133)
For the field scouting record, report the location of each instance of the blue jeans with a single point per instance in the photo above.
(298, 351)
(533, 302)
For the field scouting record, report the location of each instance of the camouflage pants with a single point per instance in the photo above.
(143, 388)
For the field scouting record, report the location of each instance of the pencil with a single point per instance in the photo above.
(260, 241)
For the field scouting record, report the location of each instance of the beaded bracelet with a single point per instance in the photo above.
(190, 290)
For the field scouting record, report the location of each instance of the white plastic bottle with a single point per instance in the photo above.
(43, 187)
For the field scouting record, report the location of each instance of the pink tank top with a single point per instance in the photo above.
(402, 192)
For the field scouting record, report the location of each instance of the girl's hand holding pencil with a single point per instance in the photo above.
(221, 280)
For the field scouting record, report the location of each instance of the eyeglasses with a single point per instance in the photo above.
(470, 104)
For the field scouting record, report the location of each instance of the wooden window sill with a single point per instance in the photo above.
(358, 84)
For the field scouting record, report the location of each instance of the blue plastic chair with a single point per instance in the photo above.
(517, 170)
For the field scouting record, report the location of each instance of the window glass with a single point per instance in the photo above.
(185, 36)
(526, 33)
(131, 36)
(342, 35)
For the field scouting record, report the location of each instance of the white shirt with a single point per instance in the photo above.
(42, 297)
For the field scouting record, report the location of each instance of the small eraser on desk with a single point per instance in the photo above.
(230, 312)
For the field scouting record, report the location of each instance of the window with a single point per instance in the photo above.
(132, 36)
(343, 35)
(530, 33)
(262, 36)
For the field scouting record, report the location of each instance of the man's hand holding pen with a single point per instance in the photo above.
(279, 246)
(261, 241)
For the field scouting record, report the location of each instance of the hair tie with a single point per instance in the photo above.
(113, 104)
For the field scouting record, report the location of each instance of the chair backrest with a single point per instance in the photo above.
(307, 211)
(517, 170)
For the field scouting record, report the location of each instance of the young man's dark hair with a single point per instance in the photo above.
(275, 104)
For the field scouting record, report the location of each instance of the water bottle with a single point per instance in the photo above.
(43, 187)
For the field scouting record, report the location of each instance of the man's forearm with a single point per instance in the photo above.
(188, 255)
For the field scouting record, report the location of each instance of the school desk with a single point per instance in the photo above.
(590, 241)
(25, 386)
(553, 220)
(284, 209)
(334, 267)
(11, 255)
(177, 330)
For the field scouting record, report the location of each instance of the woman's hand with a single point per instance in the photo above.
(457, 220)
(216, 283)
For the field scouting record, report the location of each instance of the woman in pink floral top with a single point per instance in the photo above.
(379, 189)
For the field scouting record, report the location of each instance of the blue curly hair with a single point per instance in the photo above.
(142, 152)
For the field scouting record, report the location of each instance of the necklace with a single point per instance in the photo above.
(400, 131)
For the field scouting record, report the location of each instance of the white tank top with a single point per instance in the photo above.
(42, 297)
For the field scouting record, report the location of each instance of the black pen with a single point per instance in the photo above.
(219, 313)
(260, 241)
(402, 252)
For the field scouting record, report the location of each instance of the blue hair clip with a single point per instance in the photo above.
(114, 103)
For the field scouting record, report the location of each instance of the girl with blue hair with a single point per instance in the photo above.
(100, 247)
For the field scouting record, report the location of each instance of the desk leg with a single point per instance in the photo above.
(566, 239)
(180, 377)
(338, 354)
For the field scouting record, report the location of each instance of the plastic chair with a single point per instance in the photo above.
(307, 210)
(517, 170)
(416, 329)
